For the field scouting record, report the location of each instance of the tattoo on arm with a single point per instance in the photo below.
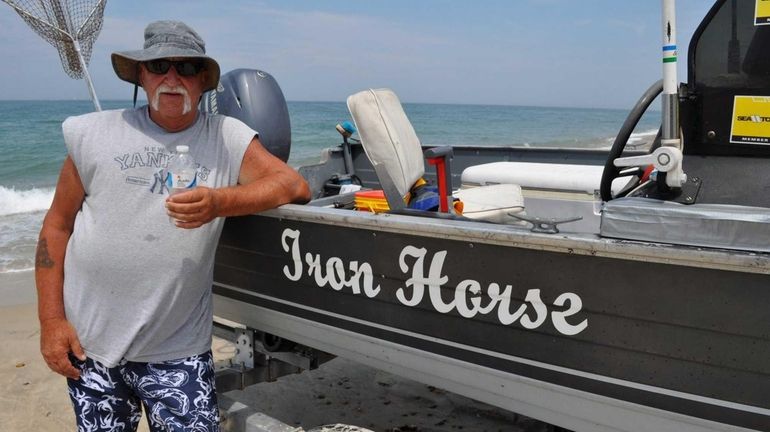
(42, 258)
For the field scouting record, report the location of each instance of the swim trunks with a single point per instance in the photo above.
(178, 395)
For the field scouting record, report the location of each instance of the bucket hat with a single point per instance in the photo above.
(166, 39)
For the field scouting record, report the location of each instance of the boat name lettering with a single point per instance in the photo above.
(469, 297)
(333, 273)
(470, 289)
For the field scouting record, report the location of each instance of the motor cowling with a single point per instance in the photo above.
(255, 98)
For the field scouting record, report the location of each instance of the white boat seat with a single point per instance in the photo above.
(388, 139)
(396, 154)
(495, 203)
(534, 175)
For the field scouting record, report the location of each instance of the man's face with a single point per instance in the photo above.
(171, 93)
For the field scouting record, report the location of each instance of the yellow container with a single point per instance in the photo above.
(372, 201)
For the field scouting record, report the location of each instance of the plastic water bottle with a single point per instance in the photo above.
(181, 171)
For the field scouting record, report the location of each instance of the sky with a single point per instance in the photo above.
(571, 53)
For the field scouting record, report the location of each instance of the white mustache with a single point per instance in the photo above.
(164, 88)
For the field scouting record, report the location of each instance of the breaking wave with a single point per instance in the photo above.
(14, 201)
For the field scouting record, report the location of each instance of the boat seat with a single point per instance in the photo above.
(493, 203)
(545, 176)
(393, 148)
(705, 225)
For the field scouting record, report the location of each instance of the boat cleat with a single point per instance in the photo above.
(544, 225)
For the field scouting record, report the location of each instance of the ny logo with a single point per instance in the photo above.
(161, 179)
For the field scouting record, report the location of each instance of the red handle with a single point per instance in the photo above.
(440, 164)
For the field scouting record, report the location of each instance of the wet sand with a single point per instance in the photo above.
(340, 391)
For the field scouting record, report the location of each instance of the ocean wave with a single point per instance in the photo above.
(18, 240)
(636, 139)
(642, 136)
(4, 270)
(14, 201)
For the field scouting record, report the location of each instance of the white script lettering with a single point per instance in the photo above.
(468, 297)
(332, 273)
(531, 313)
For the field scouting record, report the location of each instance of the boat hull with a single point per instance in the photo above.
(579, 331)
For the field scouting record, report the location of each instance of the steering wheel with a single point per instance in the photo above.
(611, 172)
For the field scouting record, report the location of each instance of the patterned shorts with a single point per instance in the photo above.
(177, 395)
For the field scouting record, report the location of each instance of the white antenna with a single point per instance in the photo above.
(670, 97)
(71, 30)
(670, 159)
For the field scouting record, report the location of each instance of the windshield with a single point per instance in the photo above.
(732, 51)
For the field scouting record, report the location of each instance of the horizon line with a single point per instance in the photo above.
(144, 101)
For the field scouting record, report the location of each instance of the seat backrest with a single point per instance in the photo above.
(388, 139)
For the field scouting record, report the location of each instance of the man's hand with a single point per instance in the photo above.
(57, 340)
(193, 208)
(264, 182)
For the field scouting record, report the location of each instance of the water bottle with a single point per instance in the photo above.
(181, 171)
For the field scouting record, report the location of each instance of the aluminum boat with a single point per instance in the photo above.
(621, 290)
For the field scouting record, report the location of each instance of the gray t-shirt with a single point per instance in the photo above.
(135, 286)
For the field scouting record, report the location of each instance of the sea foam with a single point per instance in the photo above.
(636, 139)
(647, 135)
(14, 201)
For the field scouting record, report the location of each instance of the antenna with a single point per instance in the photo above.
(670, 136)
(670, 82)
(71, 27)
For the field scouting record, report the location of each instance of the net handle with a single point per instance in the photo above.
(73, 39)
(87, 77)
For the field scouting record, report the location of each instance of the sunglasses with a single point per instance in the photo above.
(184, 68)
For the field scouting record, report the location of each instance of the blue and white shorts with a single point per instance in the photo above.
(177, 395)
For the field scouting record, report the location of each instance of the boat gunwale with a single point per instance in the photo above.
(522, 237)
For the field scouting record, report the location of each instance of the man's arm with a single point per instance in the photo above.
(57, 336)
(264, 182)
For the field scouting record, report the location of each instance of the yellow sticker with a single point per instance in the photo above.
(751, 120)
(762, 12)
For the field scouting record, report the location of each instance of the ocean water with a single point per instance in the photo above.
(32, 150)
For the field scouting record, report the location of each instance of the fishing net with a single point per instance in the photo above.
(69, 25)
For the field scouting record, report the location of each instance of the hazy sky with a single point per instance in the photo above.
(590, 53)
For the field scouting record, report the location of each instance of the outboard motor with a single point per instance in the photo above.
(254, 97)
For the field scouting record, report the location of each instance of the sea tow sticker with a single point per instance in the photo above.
(426, 283)
(751, 120)
(669, 53)
(762, 12)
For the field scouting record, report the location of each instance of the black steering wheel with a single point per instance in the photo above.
(611, 172)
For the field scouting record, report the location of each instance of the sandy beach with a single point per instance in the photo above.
(340, 391)
(34, 398)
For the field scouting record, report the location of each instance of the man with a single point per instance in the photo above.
(125, 296)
